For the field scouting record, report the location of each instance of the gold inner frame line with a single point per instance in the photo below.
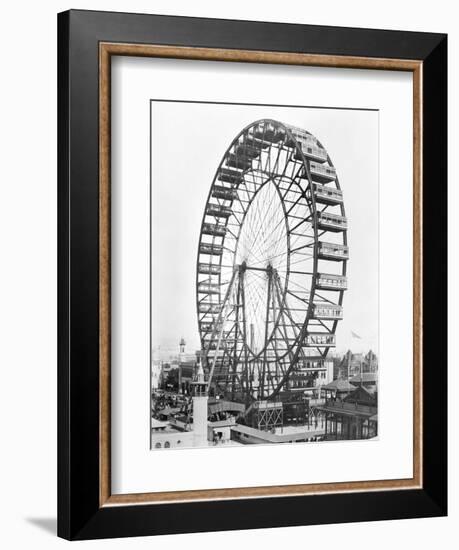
(106, 51)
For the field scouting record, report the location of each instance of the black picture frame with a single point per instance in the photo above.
(80, 515)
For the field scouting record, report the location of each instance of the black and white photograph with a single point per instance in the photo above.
(264, 274)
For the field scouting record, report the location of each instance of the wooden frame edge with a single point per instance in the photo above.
(106, 50)
(104, 276)
(257, 56)
(418, 363)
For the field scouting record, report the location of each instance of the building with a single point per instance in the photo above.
(352, 364)
(177, 433)
(183, 356)
(186, 374)
(156, 374)
(200, 410)
(176, 372)
(349, 366)
(338, 389)
(371, 362)
(354, 417)
(222, 417)
(369, 380)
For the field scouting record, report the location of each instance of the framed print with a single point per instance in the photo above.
(252, 274)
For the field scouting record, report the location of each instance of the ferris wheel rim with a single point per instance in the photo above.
(296, 344)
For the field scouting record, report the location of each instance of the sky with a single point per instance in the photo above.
(188, 142)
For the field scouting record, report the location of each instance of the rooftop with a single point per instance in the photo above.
(349, 409)
(300, 433)
(339, 385)
(361, 396)
(364, 377)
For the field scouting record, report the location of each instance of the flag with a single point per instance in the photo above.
(354, 335)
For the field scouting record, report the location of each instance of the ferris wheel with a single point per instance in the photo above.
(271, 266)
